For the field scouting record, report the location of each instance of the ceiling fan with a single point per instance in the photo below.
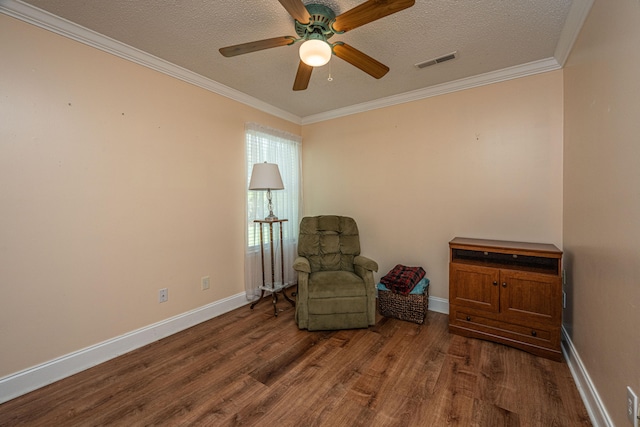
(314, 25)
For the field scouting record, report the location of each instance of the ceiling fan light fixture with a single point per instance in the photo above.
(315, 52)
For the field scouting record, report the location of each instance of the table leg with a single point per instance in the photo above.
(264, 287)
(292, 302)
(275, 303)
(253, 304)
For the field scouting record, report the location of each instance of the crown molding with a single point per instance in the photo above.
(536, 67)
(578, 12)
(63, 27)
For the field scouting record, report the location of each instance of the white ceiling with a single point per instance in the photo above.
(494, 40)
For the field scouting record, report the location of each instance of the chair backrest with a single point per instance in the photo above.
(329, 242)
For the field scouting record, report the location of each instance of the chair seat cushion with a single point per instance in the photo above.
(335, 284)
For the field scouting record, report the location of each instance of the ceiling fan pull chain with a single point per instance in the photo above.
(330, 79)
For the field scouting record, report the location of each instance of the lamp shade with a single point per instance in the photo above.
(265, 176)
(315, 52)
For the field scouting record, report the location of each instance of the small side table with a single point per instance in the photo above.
(274, 288)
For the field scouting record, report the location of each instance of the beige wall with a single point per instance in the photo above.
(110, 189)
(485, 163)
(602, 199)
(115, 181)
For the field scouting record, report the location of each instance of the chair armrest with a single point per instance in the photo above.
(366, 263)
(302, 264)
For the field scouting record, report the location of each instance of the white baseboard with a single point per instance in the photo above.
(33, 378)
(439, 305)
(590, 397)
(595, 407)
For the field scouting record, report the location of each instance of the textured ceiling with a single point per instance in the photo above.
(488, 35)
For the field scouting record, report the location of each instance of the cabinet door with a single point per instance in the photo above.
(474, 287)
(530, 297)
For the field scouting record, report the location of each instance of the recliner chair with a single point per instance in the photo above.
(336, 289)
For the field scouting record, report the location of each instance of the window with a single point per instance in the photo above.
(264, 144)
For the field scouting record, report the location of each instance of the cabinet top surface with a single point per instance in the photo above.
(504, 244)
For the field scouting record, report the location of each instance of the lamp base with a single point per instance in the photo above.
(271, 216)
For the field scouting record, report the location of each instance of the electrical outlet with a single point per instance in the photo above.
(632, 407)
(205, 282)
(163, 295)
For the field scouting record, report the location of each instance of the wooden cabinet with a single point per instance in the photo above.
(507, 292)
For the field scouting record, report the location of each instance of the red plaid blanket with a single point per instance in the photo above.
(402, 279)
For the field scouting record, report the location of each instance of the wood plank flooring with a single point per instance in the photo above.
(249, 368)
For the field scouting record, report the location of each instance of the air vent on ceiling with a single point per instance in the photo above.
(444, 58)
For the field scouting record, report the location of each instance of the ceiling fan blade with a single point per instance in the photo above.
(240, 49)
(360, 60)
(302, 76)
(369, 11)
(297, 10)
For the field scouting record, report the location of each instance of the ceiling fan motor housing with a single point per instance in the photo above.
(319, 26)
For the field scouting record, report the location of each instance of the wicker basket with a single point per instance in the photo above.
(412, 307)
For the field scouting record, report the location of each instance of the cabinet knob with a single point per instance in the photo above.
(534, 333)
(495, 283)
(468, 318)
(504, 284)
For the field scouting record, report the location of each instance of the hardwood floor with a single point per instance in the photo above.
(250, 368)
